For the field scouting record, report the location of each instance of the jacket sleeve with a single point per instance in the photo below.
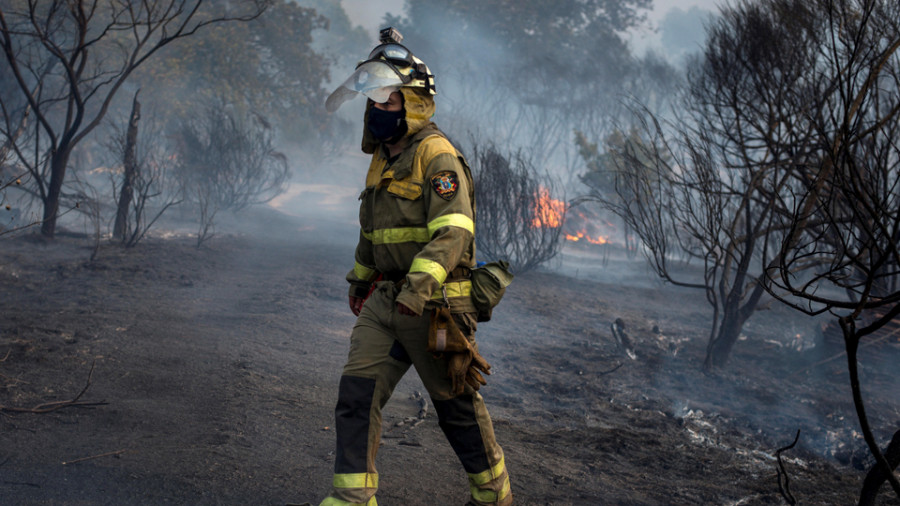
(451, 228)
(363, 272)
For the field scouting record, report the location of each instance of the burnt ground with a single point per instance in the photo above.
(215, 373)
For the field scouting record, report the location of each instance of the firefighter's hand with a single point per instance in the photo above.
(402, 309)
(356, 304)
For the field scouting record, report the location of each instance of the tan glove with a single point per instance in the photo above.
(464, 368)
(444, 337)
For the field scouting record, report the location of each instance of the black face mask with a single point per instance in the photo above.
(387, 126)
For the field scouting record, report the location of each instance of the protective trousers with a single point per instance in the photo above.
(383, 345)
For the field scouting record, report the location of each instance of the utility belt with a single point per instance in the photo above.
(465, 290)
(456, 274)
(458, 283)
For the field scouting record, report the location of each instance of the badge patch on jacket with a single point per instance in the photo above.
(445, 184)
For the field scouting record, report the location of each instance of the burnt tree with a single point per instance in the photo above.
(708, 184)
(226, 161)
(517, 218)
(70, 58)
(845, 216)
(147, 186)
(129, 171)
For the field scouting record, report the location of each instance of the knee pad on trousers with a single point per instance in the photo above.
(457, 419)
(351, 417)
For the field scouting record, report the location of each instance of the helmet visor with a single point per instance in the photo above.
(374, 79)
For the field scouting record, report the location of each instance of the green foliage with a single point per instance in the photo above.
(266, 66)
(551, 41)
(619, 149)
(541, 68)
(342, 44)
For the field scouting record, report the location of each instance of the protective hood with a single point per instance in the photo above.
(419, 107)
(374, 79)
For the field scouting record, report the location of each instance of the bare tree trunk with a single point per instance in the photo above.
(851, 342)
(130, 168)
(719, 348)
(734, 316)
(878, 475)
(58, 164)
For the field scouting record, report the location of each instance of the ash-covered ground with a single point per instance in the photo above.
(212, 375)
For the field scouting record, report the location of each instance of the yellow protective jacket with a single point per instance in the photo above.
(417, 216)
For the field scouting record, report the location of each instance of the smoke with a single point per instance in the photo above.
(483, 87)
(369, 14)
(324, 200)
(683, 32)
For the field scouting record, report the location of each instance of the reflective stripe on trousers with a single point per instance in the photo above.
(491, 486)
(333, 501)
(461, 419)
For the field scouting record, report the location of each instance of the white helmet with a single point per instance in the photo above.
(389, 67)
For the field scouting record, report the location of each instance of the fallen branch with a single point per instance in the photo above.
(53, 406)
(614, 369)
(783, 480)
(82, 459)
(877, 475)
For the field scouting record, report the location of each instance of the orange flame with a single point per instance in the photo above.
(590, 227)
(548, 212)
(601, 239)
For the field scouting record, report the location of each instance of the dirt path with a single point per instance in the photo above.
(219, 370)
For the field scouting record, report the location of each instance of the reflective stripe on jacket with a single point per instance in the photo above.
(406, 226)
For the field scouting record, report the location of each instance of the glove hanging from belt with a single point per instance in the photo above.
(465, 363)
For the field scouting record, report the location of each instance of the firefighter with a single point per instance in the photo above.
(410, 287)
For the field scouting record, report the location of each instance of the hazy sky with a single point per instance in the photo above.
(682, 32)
(660, 7)
(369, 13)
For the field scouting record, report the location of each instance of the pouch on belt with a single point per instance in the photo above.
(489, 283)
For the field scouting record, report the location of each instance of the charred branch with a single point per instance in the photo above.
(92, 457)
(878, 474)
(148, 186)
(610, 371)
(229, 161)
(851, 338)
(783, 480)
(49, 407)
(129, 166)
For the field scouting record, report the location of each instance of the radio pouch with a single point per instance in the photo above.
(489, 283)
